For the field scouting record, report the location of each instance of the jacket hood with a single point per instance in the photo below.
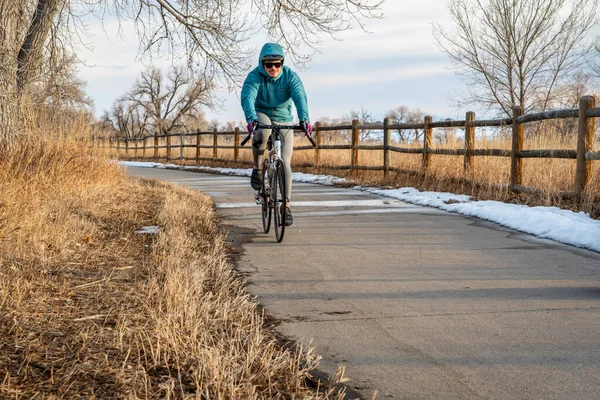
(269, 49)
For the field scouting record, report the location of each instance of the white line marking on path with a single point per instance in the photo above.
(323, 193)
(213, 182)
(329, 203)
(396, 210)
(209, 187)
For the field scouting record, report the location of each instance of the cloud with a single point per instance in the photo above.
(396, 74)
(113, 67)
(368, 75)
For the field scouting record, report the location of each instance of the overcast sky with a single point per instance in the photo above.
(398, 63)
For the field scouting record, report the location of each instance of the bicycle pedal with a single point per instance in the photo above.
(258, 198)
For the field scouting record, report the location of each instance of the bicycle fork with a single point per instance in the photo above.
(264, 194)
(273, 155)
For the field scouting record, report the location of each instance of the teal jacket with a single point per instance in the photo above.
(273, 96)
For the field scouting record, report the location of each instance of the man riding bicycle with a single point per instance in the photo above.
(267, 96)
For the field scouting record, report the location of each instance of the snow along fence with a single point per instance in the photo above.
(584, 154)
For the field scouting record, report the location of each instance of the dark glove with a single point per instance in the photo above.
(306, 127)
(251, 126)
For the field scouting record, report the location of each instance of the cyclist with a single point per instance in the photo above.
(267, 96)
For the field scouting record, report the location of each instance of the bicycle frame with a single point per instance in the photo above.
(272, 195)
(276, 139)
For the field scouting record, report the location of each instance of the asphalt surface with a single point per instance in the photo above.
(418, 303)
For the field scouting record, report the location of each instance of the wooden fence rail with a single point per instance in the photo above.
(584, 154)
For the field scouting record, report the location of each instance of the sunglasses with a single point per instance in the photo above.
(271, 64)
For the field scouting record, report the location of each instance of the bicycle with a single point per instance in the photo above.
(271, 196)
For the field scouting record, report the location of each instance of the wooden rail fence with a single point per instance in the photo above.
(584, 154)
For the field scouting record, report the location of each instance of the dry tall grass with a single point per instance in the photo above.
(91, 309)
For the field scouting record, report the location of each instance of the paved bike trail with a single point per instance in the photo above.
(418, 303)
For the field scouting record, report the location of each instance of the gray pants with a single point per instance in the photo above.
(259, 141)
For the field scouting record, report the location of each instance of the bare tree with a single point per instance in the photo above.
(106, 125)
(214, 124)
(59, 90)
(337, 135)
(163, 105)
(517, 52)
(128, 118)
(194, 120)
(595, 62)
(446, 134)
(577, 86)
(405, 115)
(168, 102)
(399, 115)
(230, 126)
(364, 117)
(210, 33)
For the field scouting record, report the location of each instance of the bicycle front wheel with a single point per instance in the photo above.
(279, 200)
(265, 192)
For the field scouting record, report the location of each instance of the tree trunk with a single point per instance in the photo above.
(9, 113)
(22, 40)
(31, 53)
(11, 21)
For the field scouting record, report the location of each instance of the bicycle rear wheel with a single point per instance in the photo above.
(265, 192)
(279, 200)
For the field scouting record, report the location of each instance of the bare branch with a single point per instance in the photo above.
(163, 105)
(517, 52)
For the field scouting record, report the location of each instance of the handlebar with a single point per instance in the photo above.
(264, 126)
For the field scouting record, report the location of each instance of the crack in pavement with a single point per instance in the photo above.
(303, 319)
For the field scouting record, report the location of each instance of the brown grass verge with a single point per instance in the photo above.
(91, 309)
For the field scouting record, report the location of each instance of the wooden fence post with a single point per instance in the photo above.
(427, 133)
(469, 141)
(181, 146)
(168, 146)
(236, 145)
(585, 143)
(387, 142)
(318, 141)
(215, 142)
(516, 165)
(155, 145)
(197, 146)
(354, 150)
